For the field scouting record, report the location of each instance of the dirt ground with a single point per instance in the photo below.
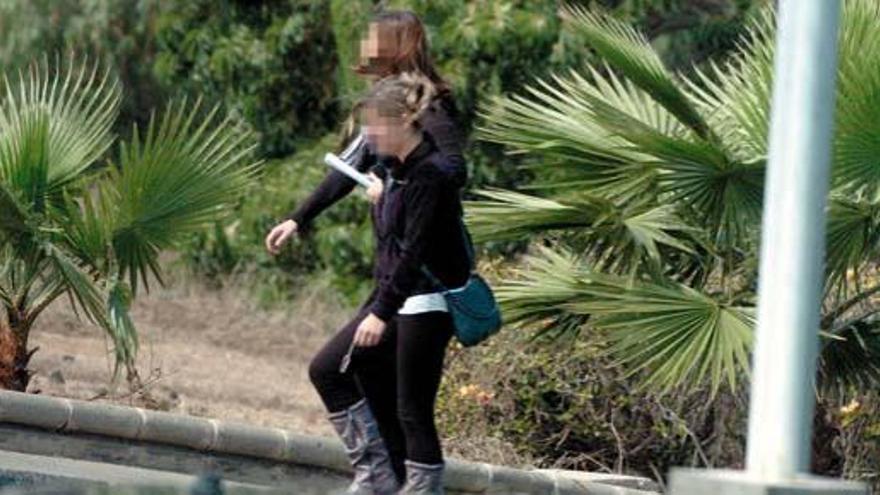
(204, 352)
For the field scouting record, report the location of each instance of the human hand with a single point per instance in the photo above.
(279, 235)
(374, 192)
(370, 331)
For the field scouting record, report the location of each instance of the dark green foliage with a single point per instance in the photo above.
(488, 48)
(688, 32)
(339, 246)
(119, 33)
(274, 63)
(350, 19)
(285, 66)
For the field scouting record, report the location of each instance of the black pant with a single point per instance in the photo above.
(399, 377)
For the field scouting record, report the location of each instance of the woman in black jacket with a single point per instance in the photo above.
(384, 416)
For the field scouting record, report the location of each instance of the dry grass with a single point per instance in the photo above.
(213, 352)
(205, 352)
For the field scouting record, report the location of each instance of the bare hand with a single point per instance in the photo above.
(279, 235)
(370, 331)
(374, 192)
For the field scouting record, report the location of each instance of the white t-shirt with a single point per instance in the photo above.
(423, 303)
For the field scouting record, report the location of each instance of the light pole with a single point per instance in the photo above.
(791, 269)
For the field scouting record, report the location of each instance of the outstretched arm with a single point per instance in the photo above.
(335, 185)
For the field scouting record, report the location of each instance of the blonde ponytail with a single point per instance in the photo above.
(407, 95)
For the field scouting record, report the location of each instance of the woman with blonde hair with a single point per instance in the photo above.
(378, 376)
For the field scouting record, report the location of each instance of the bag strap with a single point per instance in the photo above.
(424, 268)
(468, 244)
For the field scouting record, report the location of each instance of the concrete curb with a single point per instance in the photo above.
(94, 475)
(209, 435)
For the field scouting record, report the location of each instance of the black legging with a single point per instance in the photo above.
(399, 377)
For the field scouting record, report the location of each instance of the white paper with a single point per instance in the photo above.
(335, 162)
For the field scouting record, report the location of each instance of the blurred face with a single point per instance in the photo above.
(387, 134)
(376, 47)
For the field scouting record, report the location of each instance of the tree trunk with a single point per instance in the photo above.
(14, 357)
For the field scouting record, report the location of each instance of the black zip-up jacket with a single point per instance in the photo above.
(438, 121)
(417, 222)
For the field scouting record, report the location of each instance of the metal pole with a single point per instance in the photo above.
(793, 239)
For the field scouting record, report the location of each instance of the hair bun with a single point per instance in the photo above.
(408, 93)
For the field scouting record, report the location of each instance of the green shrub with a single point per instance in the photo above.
(487, 48)
(272, 62)
(350, 18)
(339, 247)
(119, 34)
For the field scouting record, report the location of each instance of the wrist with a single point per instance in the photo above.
(382, 311)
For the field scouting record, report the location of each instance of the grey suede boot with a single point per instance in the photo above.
(366, 450)
(423, 479)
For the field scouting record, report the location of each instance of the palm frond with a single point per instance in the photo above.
(14, 222)
(857, 127)
(79, 104)
(619, 238)
(89, 229)
(560, 123)
(558, 129)
(852, 358)
(735, 95)
(726, 194)
(852, 237)
(569, 125)
(120, 326)
(628, 51)
(672, 334)
(78, 284)
(181, 176)
(508, 215)
(24, 159)
(111, 314)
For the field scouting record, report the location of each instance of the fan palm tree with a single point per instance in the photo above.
(73, 223)
(648, 197)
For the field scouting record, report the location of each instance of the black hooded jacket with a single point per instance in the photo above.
(425, 209)
(418, 222)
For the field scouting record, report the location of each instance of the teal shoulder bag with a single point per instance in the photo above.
(475, 313)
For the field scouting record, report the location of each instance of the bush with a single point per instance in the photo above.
(119, 34)
(852, 437)
(563, 404)
(272, 62)
(350, 19)
(338, 248)
(488, 48)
